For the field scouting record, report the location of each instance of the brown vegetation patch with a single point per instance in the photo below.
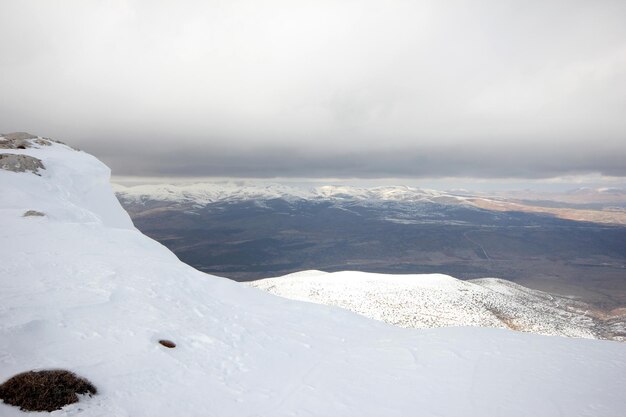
(508, 322)
(46, 390)
(610, 216)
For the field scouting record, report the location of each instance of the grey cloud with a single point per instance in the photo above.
(315, 88)
(431, 162)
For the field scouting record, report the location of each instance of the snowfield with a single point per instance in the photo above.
(436, 300)
(82, 289)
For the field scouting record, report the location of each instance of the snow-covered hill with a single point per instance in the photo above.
(423, 301)
(82, 289)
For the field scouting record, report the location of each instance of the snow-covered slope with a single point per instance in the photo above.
(435, 300)
(81, 289)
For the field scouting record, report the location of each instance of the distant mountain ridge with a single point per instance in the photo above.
(601, 205)
(203, 193)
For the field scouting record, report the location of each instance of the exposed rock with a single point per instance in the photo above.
(14, 143)
(167, 343)
(20, 163)
(18, 136)
(35, 213)
(43, 142)
(16, 140)
(23, 140)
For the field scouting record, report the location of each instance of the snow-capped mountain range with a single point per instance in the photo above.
(211, 192)
(602, 205)
(82, 289)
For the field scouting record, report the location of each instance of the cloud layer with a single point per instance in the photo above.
(323, 88)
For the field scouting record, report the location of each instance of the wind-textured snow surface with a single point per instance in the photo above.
(436, 300)
(81, 289)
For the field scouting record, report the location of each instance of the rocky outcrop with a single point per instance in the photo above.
(18, 136)
(20, 163)
(21, 140)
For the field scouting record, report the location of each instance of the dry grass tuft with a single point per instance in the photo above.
(46, 390)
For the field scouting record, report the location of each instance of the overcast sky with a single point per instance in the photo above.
(341, 88)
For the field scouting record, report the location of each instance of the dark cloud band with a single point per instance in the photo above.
(456, 161)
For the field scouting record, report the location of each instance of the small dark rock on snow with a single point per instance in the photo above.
(35, 213)
(167, 343)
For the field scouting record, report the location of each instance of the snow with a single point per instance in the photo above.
(436, 300)
(82, 289)
(73, 187)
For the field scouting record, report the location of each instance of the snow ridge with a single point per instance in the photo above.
(436, 300)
